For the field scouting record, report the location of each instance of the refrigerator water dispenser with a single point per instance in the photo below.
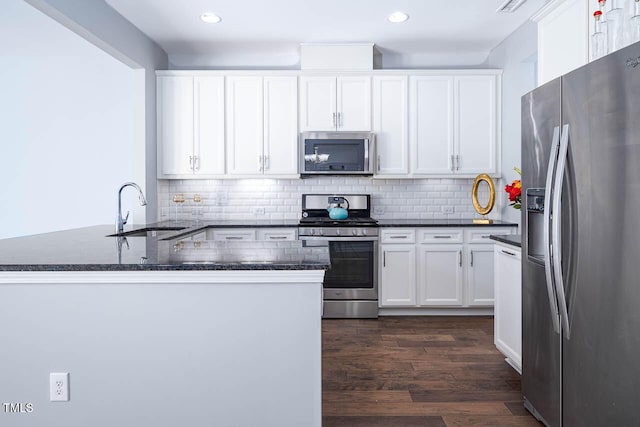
(535, 224)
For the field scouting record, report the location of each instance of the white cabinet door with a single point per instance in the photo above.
(563, 38)
(431, 124)
(508, 304)
(318, 103)
(353, 103)
(480, 275)
(476, 122)
(244, 125)
(209, 125)
(398, 275)
(440, 275)
(175, 127)
(390, 124)
(280, 125)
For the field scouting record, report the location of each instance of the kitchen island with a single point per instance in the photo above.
(161, 329)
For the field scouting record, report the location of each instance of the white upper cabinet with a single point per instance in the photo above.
(329, 103)
(280, 125)
(476, 123)
(209, 125)
(244, 125)
(454, 124)
(391, 124)
(431, 122)
(563, 37)
(261, 125)
(190, 126)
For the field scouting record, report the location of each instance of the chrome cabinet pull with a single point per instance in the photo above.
(339, 120)
(378, 162)
(334, 120)
(191, 162)
(441, 237)
(507, 252)
(277, 237)
(233, 238)
(460, 263)
(471, 262)
(453, 166)
(457, 162)
(397, 237)
(260, 164)
(197, 163)
(266, 163)
(384, 259)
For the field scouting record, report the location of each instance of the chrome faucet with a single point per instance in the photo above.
(120, 222)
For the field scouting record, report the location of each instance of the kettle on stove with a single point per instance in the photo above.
(336, 211)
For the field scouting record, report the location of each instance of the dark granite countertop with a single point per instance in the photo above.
(511, 239)
(440, 223)
(88, 249)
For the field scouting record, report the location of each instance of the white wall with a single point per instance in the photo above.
(98, 23)
(516, 55)
(68, 134)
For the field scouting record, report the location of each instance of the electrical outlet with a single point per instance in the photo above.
(447, 209)
(378, 210)
(59, 386)
(258, 211)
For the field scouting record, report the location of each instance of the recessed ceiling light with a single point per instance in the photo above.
(398, 17)
(210, 18)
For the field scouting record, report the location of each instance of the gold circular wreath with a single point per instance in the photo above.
(483, 210)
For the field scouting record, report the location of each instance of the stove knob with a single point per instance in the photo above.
(337, 232)
(364, 231)
(354, 232)
(312, 231)
(321, 232)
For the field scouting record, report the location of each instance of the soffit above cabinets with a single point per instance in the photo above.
(435, 28)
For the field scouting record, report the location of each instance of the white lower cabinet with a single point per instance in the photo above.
(438, 267)
(508, 303)
(440, 275)
(479, 275)
(398, 273)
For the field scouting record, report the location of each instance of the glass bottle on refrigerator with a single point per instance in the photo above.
(615, 26)
(635, 22)
(599, 37)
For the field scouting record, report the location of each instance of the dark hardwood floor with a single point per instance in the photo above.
(417, 371)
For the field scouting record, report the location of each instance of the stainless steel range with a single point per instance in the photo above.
(351, 285)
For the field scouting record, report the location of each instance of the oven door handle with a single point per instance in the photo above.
(339, 238)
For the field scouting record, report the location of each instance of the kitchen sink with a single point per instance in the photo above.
(144, 232)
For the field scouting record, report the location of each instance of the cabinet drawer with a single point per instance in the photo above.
(232, 234)
(277, 234)
(396, 235)
(481, 235)
(434, 235)
(199, 236)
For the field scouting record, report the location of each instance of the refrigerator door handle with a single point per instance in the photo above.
(553, 302)
(556, 230)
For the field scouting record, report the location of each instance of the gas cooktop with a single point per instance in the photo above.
(328, 222)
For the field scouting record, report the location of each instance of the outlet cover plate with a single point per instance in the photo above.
(59, 386)
(447, 209)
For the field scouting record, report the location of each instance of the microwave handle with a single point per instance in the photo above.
(366, 154)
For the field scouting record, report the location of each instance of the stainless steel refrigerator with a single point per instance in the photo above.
(581, 245)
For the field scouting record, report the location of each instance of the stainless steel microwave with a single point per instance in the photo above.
(337, 153)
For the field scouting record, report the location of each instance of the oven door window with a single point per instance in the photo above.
(334, 155)
(352, 265)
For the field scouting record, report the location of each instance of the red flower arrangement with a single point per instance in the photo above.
(515, 191)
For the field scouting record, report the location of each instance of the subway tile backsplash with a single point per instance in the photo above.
(281, 198)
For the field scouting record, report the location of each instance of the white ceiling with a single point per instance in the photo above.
(454, 31)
